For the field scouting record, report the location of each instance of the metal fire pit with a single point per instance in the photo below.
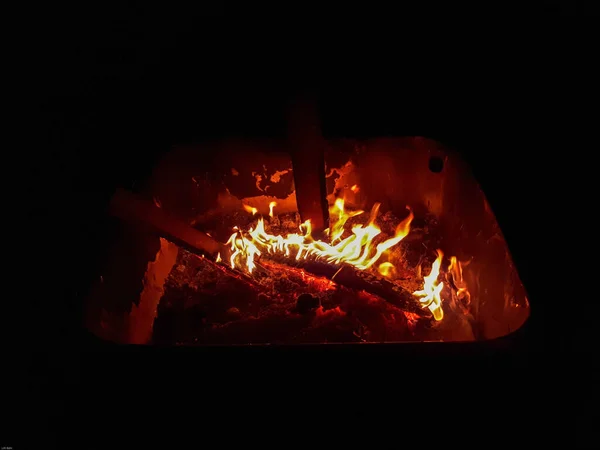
(203, 183)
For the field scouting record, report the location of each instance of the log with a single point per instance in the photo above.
(352, 278)
(307, 151)
(136, 209)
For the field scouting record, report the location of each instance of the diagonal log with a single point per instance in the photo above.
(359, 280)
(135, 209)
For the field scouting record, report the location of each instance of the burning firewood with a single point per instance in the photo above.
(354, 279)
(345, 258)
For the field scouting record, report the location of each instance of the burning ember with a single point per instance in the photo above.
(353, 246)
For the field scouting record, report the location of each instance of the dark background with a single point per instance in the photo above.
(510, 88)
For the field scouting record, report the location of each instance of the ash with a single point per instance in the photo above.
(206, 303)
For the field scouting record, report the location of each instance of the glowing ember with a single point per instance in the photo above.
(430, 294)
(355, 189)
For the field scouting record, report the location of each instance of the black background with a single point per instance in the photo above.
(510, 88)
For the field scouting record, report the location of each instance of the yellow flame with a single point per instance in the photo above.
(431, 289)
(250, 209)
(356, 249)
(271, 206)
(455, 270)
(219, 259)
(337, 209)
(355, 189)
(386, 269)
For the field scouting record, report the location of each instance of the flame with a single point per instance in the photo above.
(355, 189)
(386, 269)
(356, 249)
(431, 290)
(455, 271)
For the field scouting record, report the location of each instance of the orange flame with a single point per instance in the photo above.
(271, 206)
(356, 249)
(430, 294)
(355, 189)
(455, 271)
(250, 209)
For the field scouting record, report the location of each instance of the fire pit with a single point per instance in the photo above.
(411, 252)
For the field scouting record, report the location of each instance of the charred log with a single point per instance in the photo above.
(354, 279)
